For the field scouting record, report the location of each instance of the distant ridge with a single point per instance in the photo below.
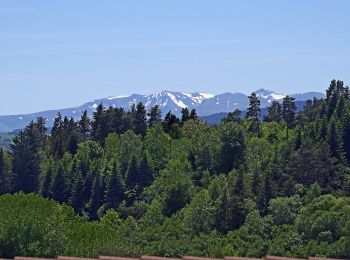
(205, 103)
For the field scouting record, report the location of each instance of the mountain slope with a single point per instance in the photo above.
(205, 104)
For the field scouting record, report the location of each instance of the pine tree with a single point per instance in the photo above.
(236, 197)
(346, 134)
(145, 173)
(265, 195)
(4, 185)
(309, 110)
(322, 129)
(334, 139)
(298, 139)
(193, 114)
(114, 194)
(84, 126)
(154, 116)
(171, 125)
(233, 117)
(56, 139)
(45, 189)
(274, 112)
(139, 122)
(77, 199)
(339, 110)
(59, 187)
(99, 124)
(253, 113)
(73, 144)
(26, 163)
(185, 115)
(288, 112)
(256, 183)
(132, 175)
(96, 199)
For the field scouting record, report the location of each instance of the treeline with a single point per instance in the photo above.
(177, 186)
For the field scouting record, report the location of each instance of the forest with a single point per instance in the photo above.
(135, 182)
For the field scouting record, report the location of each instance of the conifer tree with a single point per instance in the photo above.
(56, 139)
(139, 122)
(185, 115)
(132, 175)
(4, 185)
(96, 199)
(84, 126)
(77, 199)
(274, 112)
(154, 116)
(298, 139)
(193, 114)
(322, 129)
(334, 139)
(265, 195)
(253, 113)
(26, 163)
(114, 194)
(346, 134)
(145, 174)
(234, 117)
(236, 197)
(339, 109)
(45, 189)
(99, 124)
(59, 187)
(288, 112)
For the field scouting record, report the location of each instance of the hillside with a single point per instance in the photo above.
(129, 184)
(204, 103)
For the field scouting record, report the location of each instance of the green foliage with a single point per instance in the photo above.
(171, 188)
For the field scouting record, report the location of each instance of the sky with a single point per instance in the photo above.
(63, 53)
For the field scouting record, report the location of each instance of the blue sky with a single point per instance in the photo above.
(56, 54)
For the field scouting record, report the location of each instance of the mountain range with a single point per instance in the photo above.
(206, 104)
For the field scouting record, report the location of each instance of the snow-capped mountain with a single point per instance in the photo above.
(205, 104)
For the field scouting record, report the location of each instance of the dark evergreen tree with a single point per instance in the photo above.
(56, 139)
(265, 195)
(45, 189)
(185, 114)
(298, 139)
(233, 117)
(99, 124)
(253, 113)
(236, 197)
(171, 125)
(274, 112)
(346, 134)
(73, 144)
(145, 174)
(339, 109)
(77, 199)
(139, 122)
(84, 126)
(96, 199)
(193, 114)
(59, 189)
(288, 112)
(309, 110)
(114, 194)
(26, 163)
(4, 183)
(334, 139)
(154, 116)
(132, 175)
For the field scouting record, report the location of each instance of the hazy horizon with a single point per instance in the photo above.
(62, 54)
